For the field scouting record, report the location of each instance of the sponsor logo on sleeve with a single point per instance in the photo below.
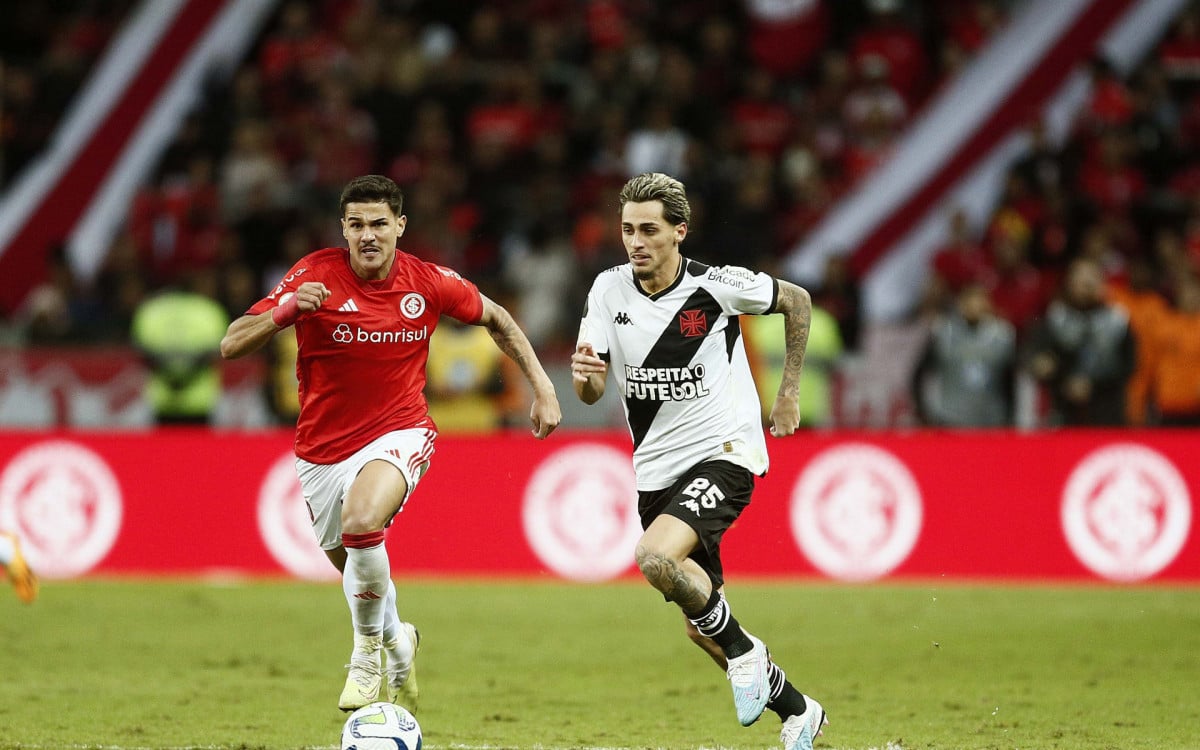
(280, 287)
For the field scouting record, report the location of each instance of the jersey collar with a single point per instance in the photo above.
(683, 262)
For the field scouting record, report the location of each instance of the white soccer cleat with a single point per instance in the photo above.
(749, 677)
(402, 678)
(366, 674)
(799, 731)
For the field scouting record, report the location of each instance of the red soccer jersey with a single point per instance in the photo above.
(361, 362)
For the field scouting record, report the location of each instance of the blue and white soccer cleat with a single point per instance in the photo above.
(749, 677)
(799, 731)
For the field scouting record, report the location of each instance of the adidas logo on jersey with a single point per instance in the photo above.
(622, 319)
(348, 306)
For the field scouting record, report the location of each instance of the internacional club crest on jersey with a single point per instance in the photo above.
(693, 323)
(412, 306)
(1126, 512)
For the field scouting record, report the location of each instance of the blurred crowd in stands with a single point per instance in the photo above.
(512, 125)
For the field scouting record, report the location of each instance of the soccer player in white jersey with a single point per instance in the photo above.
(667, 329)
(363, 316)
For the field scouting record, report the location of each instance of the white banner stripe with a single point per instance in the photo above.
(124, 57)
(221, 48)
(938, 134)
(891, 287)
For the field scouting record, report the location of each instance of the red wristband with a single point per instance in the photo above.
(287, 313)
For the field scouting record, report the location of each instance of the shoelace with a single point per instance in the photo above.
(363, 673)
(743, 670)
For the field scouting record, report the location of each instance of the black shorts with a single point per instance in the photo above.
(708, 497)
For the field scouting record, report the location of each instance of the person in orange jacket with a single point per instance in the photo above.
(1175, 353)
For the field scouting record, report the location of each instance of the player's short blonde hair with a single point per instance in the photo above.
(656, 186)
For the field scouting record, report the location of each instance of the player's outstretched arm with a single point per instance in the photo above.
(250, 333)
(545, 414)
(796, 306)
(587, 373)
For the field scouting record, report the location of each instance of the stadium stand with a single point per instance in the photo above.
(512, 124)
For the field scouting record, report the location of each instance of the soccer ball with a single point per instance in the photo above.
(381, 726)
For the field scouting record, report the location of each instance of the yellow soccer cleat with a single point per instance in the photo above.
(366, 675)
(402, 682)
(23, 579)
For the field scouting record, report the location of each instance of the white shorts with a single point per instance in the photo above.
(325, 485)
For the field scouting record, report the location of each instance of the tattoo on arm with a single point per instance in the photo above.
(667, 576)
(506, 335)
(796, 306)
(511, 340)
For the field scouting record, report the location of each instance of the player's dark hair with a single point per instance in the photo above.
(656, 186)
(372, 188)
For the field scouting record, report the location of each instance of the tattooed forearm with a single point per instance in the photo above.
(796, 306)
(511, 340)
(667, 576)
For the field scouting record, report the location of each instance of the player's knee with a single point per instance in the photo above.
(359, 521)
(655, 564)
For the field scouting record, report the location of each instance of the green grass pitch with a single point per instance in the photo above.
(167, 664)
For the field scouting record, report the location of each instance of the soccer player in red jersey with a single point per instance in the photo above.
(363, 318)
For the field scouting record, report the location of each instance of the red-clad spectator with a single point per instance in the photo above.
(961, 261)
(873, 97)
(787, 35)
(607, 25)
(1180, 53)
(1101, 244)
(1052, 234)
(764, 124)
(1110, 182)
(891, 37)
(340, 137)
(1109, 102)
(868, 147)
(1019, 291)
(513, 115)
(970, 23)
(297, 45)
(176, 226)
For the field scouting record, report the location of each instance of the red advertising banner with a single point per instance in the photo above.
(1095, 505)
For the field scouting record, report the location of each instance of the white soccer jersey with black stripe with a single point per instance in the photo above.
(679, 361)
